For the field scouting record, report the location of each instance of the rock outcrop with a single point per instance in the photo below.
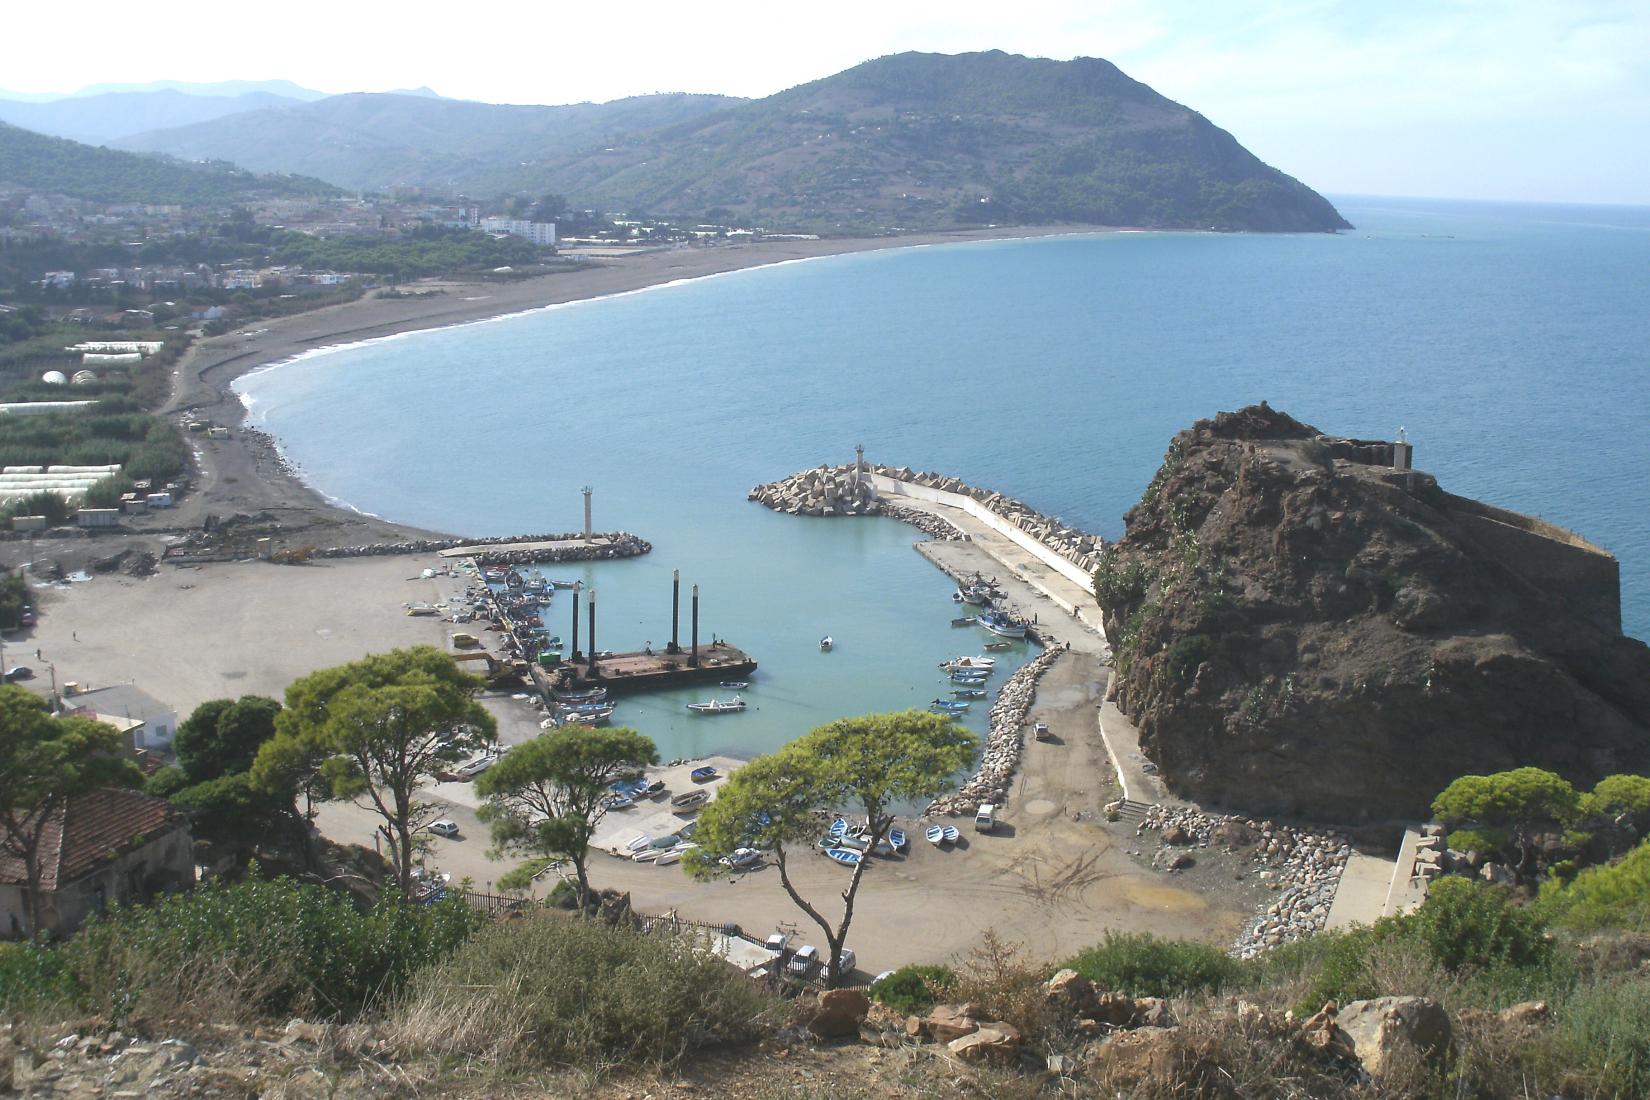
(1303, 630)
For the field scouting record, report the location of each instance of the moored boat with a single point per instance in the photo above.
(948, 706)
(970, 662)
(966, 620)
(718, 706)
(969, 693)
(733, 685)
(583, 695)
(826, 642)
(997, 645)
(1004, 624)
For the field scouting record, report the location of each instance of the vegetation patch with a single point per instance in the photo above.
(1142, 965)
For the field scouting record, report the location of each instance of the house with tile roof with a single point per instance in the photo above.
(98, 849)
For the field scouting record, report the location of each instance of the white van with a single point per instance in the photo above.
(985, 818)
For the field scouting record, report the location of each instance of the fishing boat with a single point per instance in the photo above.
(935, 835)
(583, 695)
(845, 856)
(1004, 624)
(733, 685)
(898, 840)
(997, 645)
(948, 706)
(970, 679)
(689, 800)
(976, 594)
(966, 620)
(718, 706)
(952, 835)
(969, 693)
(970, 662)
(702, 775)
(826, 642)
(619, 802)
(585, 708)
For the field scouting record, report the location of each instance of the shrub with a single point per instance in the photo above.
(257, 949)
(570, 992)
(1470, 924)
(35, 980)
(1186, 653)
(1603, 1038)
(1617, 895)
(913, 988)
(1142, 965)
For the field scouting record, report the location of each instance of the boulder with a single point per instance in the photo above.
(996, 1043)
(1391, 1031)
(1153, 1012)
(1526, 1013)
(840, 1013)
(1177, 834)
(1114, 1009)
(1158, 1062)
(1070, 991)
(948, 1022)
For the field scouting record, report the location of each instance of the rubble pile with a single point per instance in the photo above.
(1003, 744)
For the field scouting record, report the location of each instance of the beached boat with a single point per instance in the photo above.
(619, 802)
(952, 834)
(718, 706)
(898, 840)
(826, 642)
(966, 620)
(935, 835)
(689, 800)
(839, 827)
(675, 854)
(733, 685)
(702, 775)
(969, 693)
(997, 645)
(646, 855)
(1004, 624)
(845, 856)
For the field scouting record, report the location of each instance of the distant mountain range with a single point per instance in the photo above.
(65, 167)
(912, 140)
(102, 118)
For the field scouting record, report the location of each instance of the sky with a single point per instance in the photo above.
(1540, 100)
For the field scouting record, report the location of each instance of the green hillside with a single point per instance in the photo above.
(374, 141)
(64, 167)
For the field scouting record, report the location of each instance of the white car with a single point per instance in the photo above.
(472, 768)
(444, 828)
(802, 963)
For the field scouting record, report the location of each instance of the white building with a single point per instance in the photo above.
(540, 233)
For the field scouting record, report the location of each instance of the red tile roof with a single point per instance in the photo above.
(90, 831)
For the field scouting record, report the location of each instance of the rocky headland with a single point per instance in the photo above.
(1305, 626)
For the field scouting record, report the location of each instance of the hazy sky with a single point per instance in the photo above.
(1519, 99)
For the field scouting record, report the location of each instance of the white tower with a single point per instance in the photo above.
(587, 532)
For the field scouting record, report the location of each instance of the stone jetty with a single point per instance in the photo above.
(1304, 868)
(1004, 742)
(846, 491)
(510, 550)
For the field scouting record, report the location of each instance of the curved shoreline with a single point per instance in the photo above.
(234, 477)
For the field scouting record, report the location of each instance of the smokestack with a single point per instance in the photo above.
(675, 609)
(693, 661)
(573, 654)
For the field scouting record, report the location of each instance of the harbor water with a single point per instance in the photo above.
(1512, 343)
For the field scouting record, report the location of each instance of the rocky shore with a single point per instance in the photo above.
(1303, 867)
(1000, 757)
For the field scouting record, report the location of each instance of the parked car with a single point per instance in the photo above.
(472, 768)
(27, 618)
(444, 828)
(20, 672)
(803, 962)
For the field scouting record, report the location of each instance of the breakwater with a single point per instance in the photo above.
(1004, 742)
(1303, 868)
(849, 490)
(508, 549)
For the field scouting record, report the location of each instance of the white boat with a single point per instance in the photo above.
(981, 661)
(718, 706)
(689, 800)
(646, 855)
(827, 642)
(674, 854)
(935, 835)
(952, 834)
(1003, 624)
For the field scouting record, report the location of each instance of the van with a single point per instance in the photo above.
(985, 818)
(466, 641)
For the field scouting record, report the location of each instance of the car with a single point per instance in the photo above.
(444, 828)
(803, 962)
(845, 965)
(20, 672)
(27, 618)
(472, 768)
(742, 858)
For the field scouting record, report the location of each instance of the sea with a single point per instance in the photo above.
(1510, 343)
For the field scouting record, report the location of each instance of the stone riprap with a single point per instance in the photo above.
(1304, 867)
(1004, 742)
(615, 544)
(837, 491)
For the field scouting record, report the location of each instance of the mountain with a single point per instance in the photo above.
(100, 119)
(912, 140)
(286, 89)
(63, 167)
(1304, 626)
(374, 141)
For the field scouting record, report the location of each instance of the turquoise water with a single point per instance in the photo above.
(1511, 342)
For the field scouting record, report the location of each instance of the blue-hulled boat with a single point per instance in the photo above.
(969, 693)
(948, 706)
(898, 840)
(935, 835)
(845, 856)
(702, 775)
(1004, 624)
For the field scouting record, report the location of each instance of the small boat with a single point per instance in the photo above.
(586, 695)
(935, 835)
(560, 584)
(646, 855)
(969, 662)
(997, 645)
(948, 706)
(653, 789)
(966, 620)
(969, 693)
(1001, 623)
(675, 854)
(689, 800)
(857, 843)
(702, 775)
(951, 834)
(898, 840)
(826, 642)
(976, 594)
(718, 706)
(585, 708)
(619, 802)
(638, 842)
(733, 685)
(839, 827)
(845, 856)
(970, 679)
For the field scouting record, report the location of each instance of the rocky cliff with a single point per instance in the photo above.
(1302, 628)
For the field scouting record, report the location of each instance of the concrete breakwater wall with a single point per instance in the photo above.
(572, 547)
(1004, 742)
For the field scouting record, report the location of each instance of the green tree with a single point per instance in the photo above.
(44, 762)
(545, 798)
(860, 765)
(384, 726)
(222, 736)
(1508, 808)
(1618, 796)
